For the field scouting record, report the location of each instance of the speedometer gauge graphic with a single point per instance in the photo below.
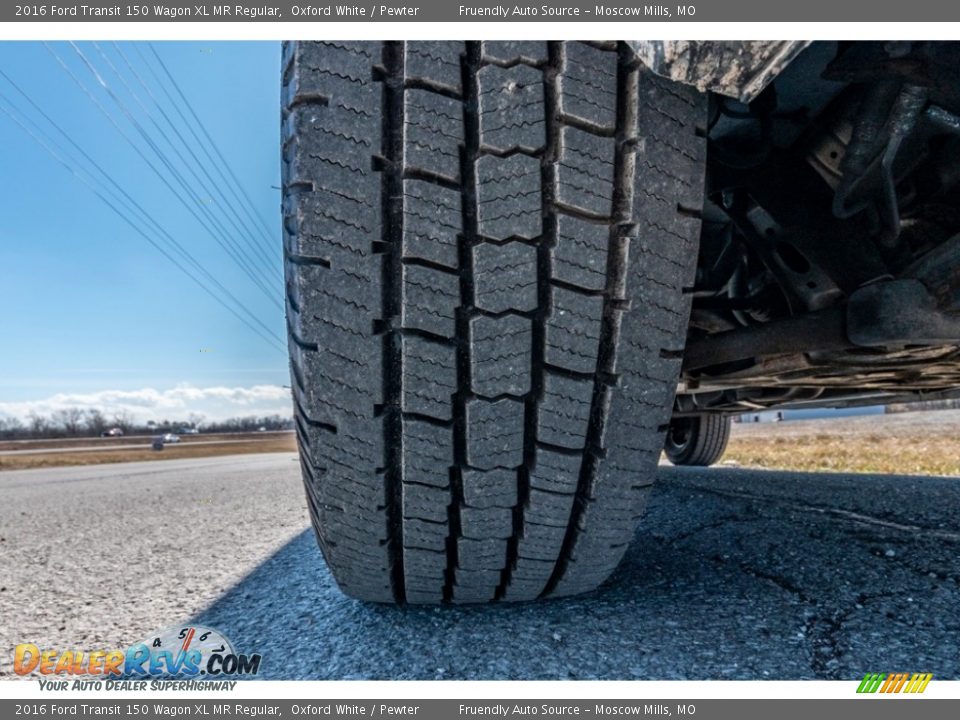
(177, 652)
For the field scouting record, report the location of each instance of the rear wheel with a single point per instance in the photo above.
(699, 440)
(486, 246)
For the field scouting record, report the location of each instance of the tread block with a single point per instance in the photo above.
(641, 422)
(509, 197)
(342, 391)
(580, 254)
(564, 413)
(475, 586)
(478, 584)
(427, 453)
(489, 554)
(505, 276)
(588, 85)
(337, 232)
(429, 377)
(435, 62)
(512, 113)
(541, 542)
(331, 149)
(432, 220)
(495, 433)
(430, 300)
(343, 298)
(513, 51)
(490, 488)
(425, 502)
(555, 472)
(473, 593)
(670, 103)
(416, 595)
(477, 579)
(333, 68)
(573, 330)
(350, 457)
(531, 574)
(425, 535)
(500, 355)
(546, 508)
(432, 133)
(481, 523)
(341, 487)
(585, 171)
(424, 564)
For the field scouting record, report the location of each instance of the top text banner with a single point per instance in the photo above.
(478, 11)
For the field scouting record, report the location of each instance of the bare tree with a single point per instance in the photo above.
(11, 428)
(70, 419)
(96, 423)
(39, 425)
(123, 420)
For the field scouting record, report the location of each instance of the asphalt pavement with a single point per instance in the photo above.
(734, 574)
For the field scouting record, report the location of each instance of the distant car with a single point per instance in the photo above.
(188, 431)
(169, 438)
(112, 432)
(261, 429)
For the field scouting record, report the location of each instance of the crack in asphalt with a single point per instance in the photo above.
(720, 522)
(826, 623)
(834, 512)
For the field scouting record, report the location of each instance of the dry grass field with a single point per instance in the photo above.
(53, 453)
(914, 443)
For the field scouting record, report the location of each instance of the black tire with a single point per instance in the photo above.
(486, 248)
(699, 440)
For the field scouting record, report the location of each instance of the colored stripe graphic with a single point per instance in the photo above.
(870, 683)
(894, 683)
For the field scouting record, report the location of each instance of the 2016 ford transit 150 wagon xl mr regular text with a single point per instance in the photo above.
(516, 272)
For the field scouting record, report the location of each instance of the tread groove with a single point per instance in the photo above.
(468, 156)
(393, 359)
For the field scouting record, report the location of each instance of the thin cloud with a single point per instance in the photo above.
(213, 403)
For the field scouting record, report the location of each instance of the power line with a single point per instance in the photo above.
(269, 336)
(210, 139)
(234, 217)
(248, 263)
(222, 241)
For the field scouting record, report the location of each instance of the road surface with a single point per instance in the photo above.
(734, 574)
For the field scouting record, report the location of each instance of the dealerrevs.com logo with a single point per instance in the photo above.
(191, 652)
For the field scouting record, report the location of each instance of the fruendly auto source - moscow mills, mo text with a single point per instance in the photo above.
(554, 11)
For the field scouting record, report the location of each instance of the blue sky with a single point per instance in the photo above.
(89, 309)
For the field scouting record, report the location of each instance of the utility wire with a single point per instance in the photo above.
(248, 263)
(270, 337)
(125, 201)
(223, 242)
(117, 190)
(239, 224)
(210, 140)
